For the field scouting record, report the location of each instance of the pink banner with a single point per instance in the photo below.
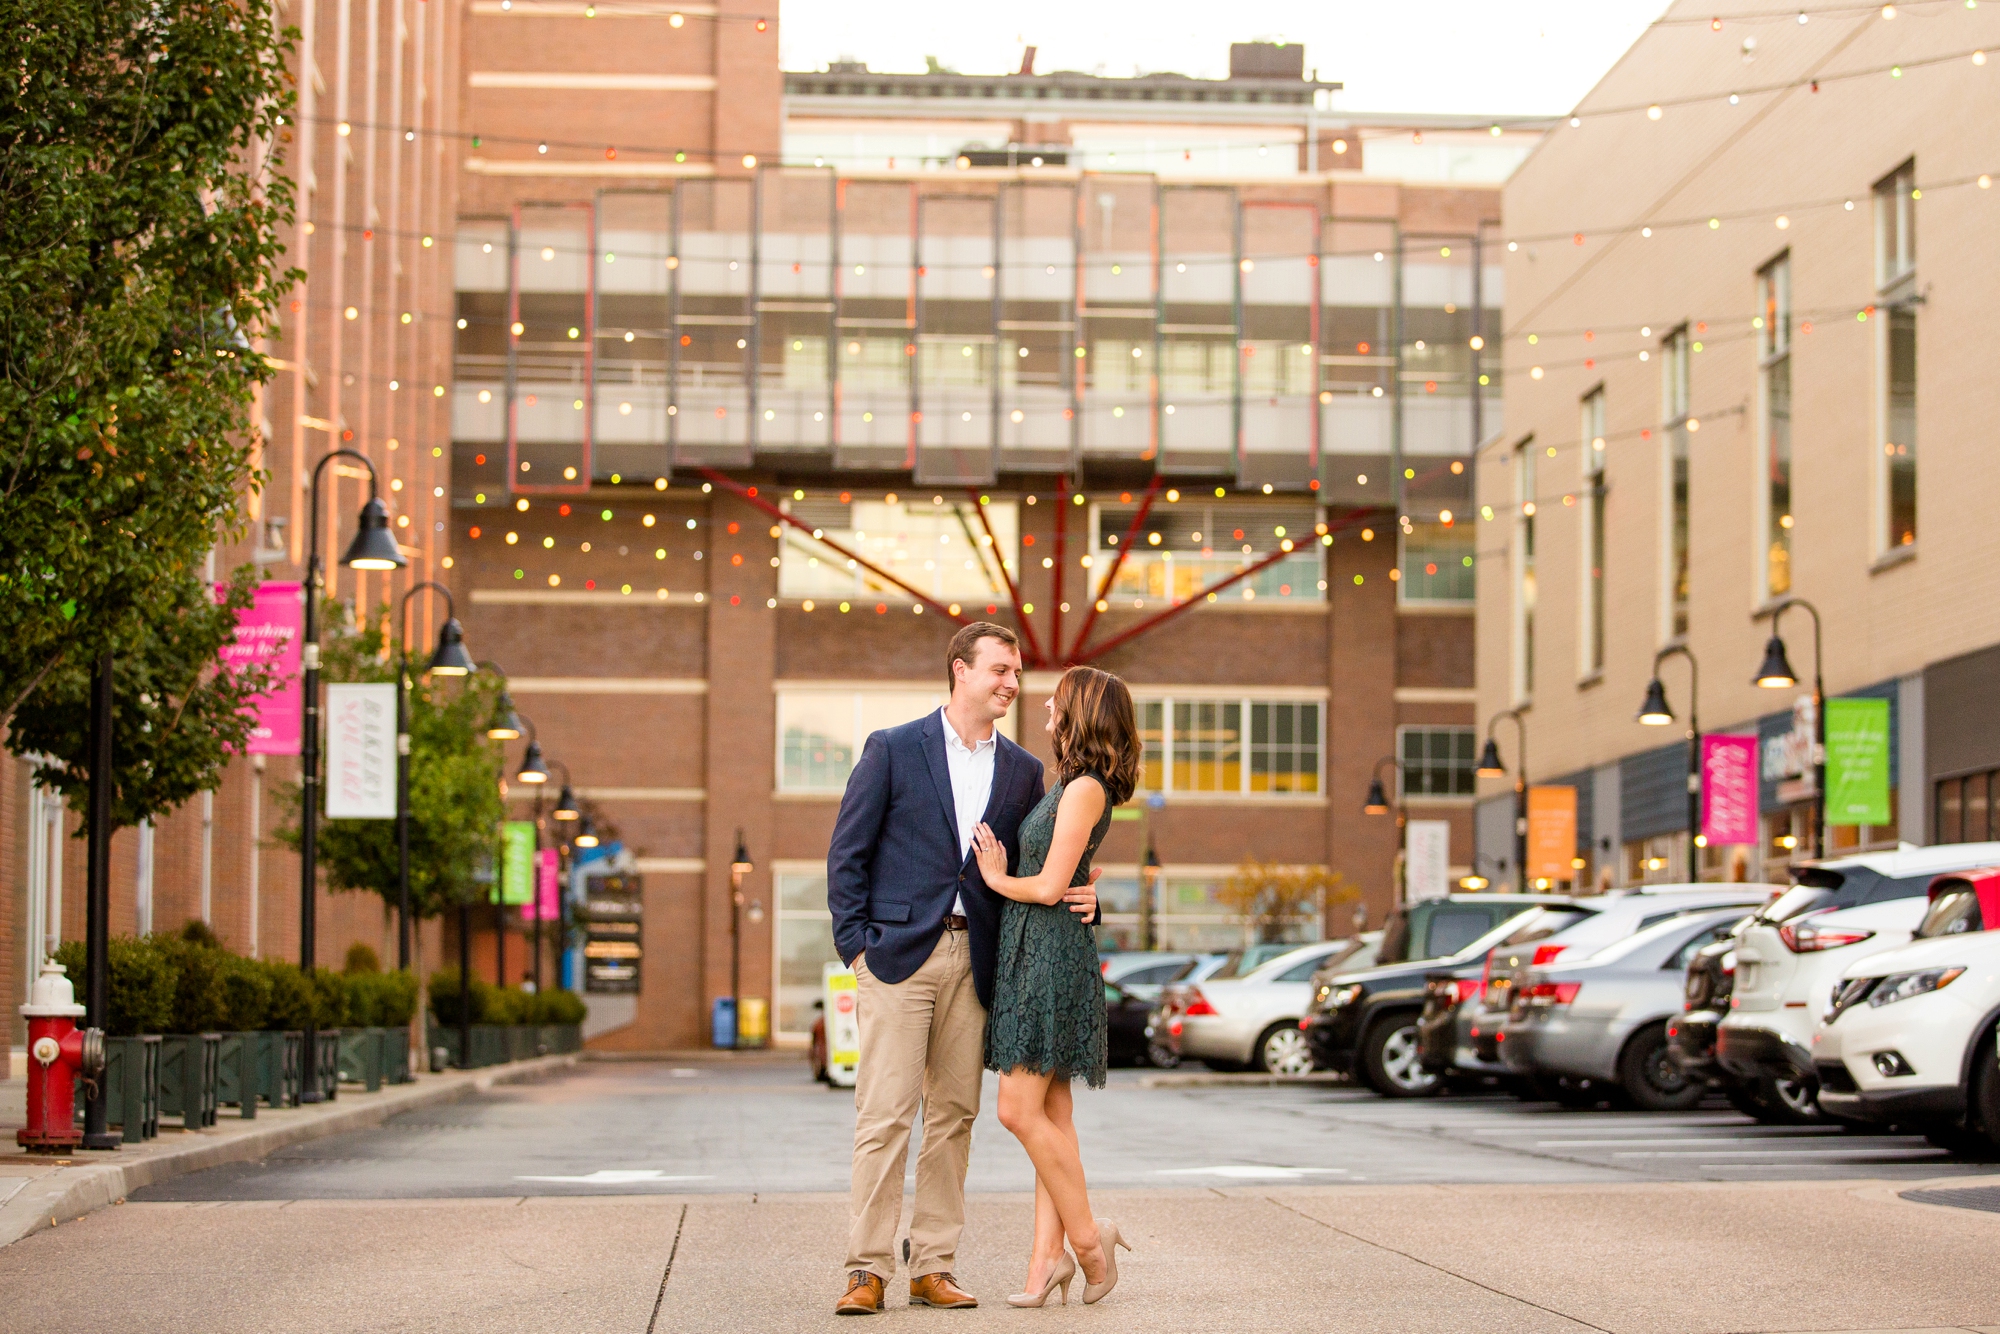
(1729, 789)
(548, 892)
(267, 634)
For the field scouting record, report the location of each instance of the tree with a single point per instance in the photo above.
(179, 715)
(140, 225)
(1269, 898)
(455, 803)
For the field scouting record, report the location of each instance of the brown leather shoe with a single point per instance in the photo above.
(940, 1289)
(864, 1295)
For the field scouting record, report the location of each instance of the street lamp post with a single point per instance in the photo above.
(565, 811)
(97, 1131)
(1491, 767)
(449, 658)
(534, 771)
(505, 725)
(1378, 804)
(739, 867)
(373, 548)
(1777, 674)
(1476, 882)
(1654, 712)
(1149, 889)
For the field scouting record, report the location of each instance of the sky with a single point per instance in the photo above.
(1506, 57)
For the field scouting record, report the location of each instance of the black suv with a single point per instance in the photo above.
(1365, 1023)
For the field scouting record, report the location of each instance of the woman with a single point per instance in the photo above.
(1047, 1024)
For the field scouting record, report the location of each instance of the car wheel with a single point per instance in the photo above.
(1961, 1141)
(1783, 1102)
(1282, 1050)
(1161, 1057)
(1652, 1078)
(1389, 1059)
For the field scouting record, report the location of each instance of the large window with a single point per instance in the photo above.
(1524, 569)
(1966, 809)
(802, 946)
(935, 545)
(1896, 356)
(1184, 546)
(1202, 745)
(1593, 530)
(1437, 563)
(820, 732)
(1437, 761)
(1676, 424)
(1774, 347)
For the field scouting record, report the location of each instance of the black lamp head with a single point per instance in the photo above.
(1776, 673)
(505, 725)
(450, 657)
(586, 835)
(1489, 761)
(534, 769)
(566, 805)
(1378, 800)
(740, 863)
(374, 546)
(1654, 712)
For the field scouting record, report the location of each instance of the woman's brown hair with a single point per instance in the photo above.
(1097, 731)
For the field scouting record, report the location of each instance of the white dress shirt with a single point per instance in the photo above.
(971, 788)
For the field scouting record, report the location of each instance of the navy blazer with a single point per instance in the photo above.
(894, 867)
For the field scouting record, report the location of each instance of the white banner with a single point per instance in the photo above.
(1427, 860)
(361, 752)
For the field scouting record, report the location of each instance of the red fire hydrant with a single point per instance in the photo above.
(58, 1051)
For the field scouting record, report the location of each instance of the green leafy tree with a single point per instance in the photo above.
(455, 801)
(143, 216)
(178, 714)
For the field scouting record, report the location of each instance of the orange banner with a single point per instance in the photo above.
(1551, 832)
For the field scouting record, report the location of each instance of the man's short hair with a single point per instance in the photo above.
(965, 646)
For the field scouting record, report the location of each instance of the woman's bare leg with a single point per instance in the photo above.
(1058, 1164)
(1048, 1224)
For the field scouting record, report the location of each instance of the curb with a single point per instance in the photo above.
(69, 1193)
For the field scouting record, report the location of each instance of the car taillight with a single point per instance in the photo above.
(1465, 988)
(1104, 967)
(1198, 1004)
(1805, 938)
(1544, 953)
(1553, 993)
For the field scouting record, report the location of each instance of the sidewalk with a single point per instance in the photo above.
(38, 1191)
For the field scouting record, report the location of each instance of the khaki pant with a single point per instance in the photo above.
(922, 1040)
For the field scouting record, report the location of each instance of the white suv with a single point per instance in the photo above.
(1793, 951)
(1908, 1039)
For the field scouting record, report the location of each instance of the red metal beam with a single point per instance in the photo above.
(1013, 590)
(1117, 563)
(866, 564)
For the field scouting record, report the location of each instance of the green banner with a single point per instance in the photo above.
(517, 861)
(1857, 761)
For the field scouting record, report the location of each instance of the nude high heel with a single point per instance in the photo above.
(1110, 1239)
(1059, 1277)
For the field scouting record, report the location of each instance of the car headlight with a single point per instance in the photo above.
(1323, 992)
(1347, 995)
(1902, 986)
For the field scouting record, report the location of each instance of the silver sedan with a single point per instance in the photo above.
(1253, 1021)
(1605, 1017)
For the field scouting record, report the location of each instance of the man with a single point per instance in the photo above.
(918, 925)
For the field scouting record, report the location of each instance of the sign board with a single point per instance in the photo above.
(1729, 789)
(1551, 833)
(517, 862)
(612, 916)
(843, 1025)
(547, 905)
(267, 635)
(1426, 859)
(1857, 761)
(361, 752)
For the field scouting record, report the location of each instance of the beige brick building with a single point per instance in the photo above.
(1749, 287)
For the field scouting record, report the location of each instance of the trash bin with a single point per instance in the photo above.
(754, 1030)
(722, 1022)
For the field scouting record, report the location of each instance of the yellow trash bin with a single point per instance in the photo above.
(754, 1023)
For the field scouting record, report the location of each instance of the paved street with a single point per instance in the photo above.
(709, 1195)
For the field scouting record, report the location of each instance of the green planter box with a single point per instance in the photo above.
(521, 1042)
(396, 1056)
(189, 1068)
(545, 1040)
(326, 1064)
(131, 1086)
(569, 1038)
(236, 1072)
(361, 1057)
(278, 1067)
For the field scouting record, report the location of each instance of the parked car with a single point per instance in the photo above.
(1144, 972)
(1252, 1022)
(1465, 1008)
(1364, 1023)
(1705, 990)
(1163, 1024)
(1125, 1025)
(1908, 1038)
(1794, 950)
(1604, 1017)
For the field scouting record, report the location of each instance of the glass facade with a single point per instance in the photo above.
(1200, 745)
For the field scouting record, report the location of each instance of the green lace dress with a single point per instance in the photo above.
(1048, 993)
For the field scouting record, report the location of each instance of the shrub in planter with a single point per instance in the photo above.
(246, 989)
(559, 1007)
(361, 959)
(201, 1003)
(396, 999)
(141, 982)
(509, 1005)
(291, 997)
(447, 999)
(330, 1002)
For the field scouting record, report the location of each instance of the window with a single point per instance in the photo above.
(1437, 761)
(1964, 809)
(1524, 569)
(820, 732)
(1197, 745)
(1774, 396)
(1593, 530)
(940, 548)
(1437, 563)
(802, 946)
(1675, 423)
(1896, 357)
(1183, 547)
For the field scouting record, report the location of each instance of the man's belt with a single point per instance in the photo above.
(954, 922)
